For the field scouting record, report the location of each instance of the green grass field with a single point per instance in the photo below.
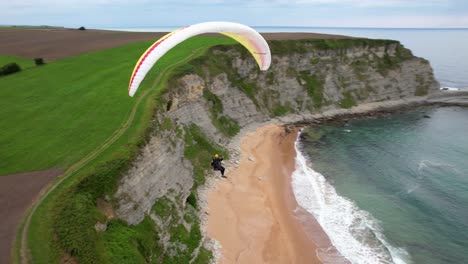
(74, 114)
(57, 113)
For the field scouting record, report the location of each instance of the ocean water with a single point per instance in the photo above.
(391, 189)
(446, 49)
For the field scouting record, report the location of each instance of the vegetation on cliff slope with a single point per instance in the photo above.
(285, 47)
(314, 88)
(219, 61)
(226, 125)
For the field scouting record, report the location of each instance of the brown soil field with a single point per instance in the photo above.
(298, 35)
(17, 192)
(54, 44)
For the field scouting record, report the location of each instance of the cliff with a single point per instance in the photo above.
(211, 99)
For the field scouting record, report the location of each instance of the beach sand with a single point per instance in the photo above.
(254, 215)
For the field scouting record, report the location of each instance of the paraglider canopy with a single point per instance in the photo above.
(245, 35)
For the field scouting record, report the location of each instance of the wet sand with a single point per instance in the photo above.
(254, 215)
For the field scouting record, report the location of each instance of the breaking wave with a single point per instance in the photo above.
(354, 232)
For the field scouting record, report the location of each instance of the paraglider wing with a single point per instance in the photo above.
(245, 35)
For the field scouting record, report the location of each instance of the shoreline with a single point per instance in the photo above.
(254, 214)
(316, 237)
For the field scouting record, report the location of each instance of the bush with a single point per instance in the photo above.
(81, 28)
(314, 87)
(192, 199)
(39, 61)
(10, 68)
(74, 228)
(198, 149)
(131, 244)
(348, 101)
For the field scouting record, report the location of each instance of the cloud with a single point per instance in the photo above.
(264, 3)
(371, 3)
(134, 13)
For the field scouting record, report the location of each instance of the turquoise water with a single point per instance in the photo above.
(409, 172)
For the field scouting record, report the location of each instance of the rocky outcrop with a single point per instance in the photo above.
(160, 169)
(223, 92)
(452, 98)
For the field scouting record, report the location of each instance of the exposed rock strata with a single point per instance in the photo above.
(223, 95)
(297, 85)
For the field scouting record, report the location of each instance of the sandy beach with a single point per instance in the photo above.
(253, 214)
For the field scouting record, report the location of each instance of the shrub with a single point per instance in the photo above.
(131, 244)
(314, 87)
(198, 149)
(204, 256)
(10, 68)
(421, 88)
(281, 110)
(81, 28)
(39, 61)
(226, 125)
(348, 101)
(192, 199)
(74, 228)
(169, 105)
(104, 179)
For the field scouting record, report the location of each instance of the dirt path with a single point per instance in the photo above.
(25, 257)
(17, 192)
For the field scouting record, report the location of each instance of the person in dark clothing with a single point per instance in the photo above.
(216, 164)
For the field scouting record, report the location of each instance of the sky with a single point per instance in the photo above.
(298, 13)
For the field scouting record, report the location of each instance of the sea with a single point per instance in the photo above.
(392, 189)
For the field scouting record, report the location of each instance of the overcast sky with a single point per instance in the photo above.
(307, 13)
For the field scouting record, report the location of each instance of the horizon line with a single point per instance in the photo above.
(263, 26)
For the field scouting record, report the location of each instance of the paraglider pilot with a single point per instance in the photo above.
(216, 164)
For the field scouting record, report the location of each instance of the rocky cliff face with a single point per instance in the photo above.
(209, 100)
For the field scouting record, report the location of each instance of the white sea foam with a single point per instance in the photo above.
(354, 232)
(427, 164)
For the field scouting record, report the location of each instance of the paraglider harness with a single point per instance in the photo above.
(216, 164)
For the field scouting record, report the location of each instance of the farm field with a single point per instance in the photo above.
(76, 111)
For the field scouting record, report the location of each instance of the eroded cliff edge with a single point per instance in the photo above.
(211, 99)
